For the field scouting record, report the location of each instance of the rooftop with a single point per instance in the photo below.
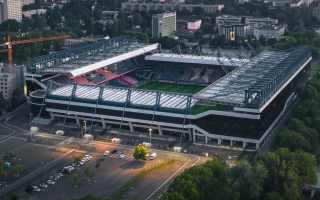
(90, 57)
(132, 97)
(254, 83)
(193, 59)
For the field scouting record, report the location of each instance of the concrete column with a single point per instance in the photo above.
(231, 143)
(78, 121)
(190, 134)
(206, 139)
(244, 145)
(103, 124)
(193, 135)
(219, 141)
(257, 146)
(160, 130)
(313, 192)
(131, 127)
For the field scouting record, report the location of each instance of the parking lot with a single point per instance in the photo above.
(102, 175)
(29, 157)
(102, 172)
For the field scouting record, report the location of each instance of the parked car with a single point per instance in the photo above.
(153, 156)
(36, 188)
(51, 182)
(106, 153)
(68, 169)
(43, 185)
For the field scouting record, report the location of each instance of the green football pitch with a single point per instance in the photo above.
(171, 87)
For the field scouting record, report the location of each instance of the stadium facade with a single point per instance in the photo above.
(235, 110)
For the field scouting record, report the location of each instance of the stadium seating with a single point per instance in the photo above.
(186, 73)
(80, 80)
(128, 80)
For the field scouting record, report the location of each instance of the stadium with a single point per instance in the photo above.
(123, 84)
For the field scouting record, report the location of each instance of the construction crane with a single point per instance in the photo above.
(11, 43)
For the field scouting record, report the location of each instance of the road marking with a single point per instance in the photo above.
(6, 138)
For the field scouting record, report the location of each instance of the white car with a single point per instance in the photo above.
(106, 153)
(51, 182)
(84, 160)
(36, 188)
(43, 185)
(153, 156)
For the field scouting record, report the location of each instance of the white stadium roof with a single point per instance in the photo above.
(119, 95)
(112, 60)
(193, 59)
(90, 57)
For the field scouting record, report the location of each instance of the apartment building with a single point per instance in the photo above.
(164, 24)
(11, 9)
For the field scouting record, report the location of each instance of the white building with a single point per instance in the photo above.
(30, 13)
(164, 24)
(7, 81)
(256, 22)
(28, 2)
(11, 9)
(269, 32)
(11, 79)
(233, 27)
(233, 31)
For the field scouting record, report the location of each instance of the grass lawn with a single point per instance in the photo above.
(171, 87)
(197, 109)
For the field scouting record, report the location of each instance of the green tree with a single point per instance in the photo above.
(286, 175)
(2, 171)
(248, 180)
(76, 179)
(77, 159)
(10, 26)
(14, 197)
(208, 181)
(88, 172)
(140, 152)
(18, 169)
(292, 140)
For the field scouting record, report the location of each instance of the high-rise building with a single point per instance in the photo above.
(164, 24)
(1, 11)
(7, 81)
(11, 79)
(11, 9)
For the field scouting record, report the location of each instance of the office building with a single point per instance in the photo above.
(11, 9)
(233, 27)
(269, 32)
(164, 24)
(7, 81)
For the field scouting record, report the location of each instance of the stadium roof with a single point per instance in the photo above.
(90, 57)
(194, 59)
(255, 83)
(122, 95)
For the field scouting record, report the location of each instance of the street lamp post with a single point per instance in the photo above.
(150, 133)
(85, 127)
